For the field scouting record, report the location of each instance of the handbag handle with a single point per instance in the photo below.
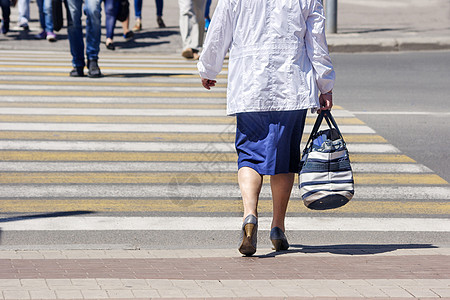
(330, 121)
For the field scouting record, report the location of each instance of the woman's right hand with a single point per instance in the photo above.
(208, 83)
(326, 101)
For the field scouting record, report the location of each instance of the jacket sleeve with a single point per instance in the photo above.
(317, 48)
(218, 41)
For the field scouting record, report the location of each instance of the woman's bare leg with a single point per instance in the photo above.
(250, 183)
(281, 185)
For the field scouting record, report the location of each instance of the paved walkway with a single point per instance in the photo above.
(366, 272)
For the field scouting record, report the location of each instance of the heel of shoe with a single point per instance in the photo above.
(277, 245)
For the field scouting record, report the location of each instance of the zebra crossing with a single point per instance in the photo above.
(147, 138)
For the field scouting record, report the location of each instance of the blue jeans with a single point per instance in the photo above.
(6, 11)
(24, 11)
(45, 15)
(111, 10)
(92, 10)
(138, 8)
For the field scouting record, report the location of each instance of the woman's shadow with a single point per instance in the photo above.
(348, 249)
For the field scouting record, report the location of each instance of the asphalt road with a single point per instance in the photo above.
(403, 96)
(400, 97)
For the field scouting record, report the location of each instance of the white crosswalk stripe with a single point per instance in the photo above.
(32, 73)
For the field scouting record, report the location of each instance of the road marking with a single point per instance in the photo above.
(407, 113)
(55, 118)
(41, 205)
(113, 88)
(159, 146)
(218, 205)
(126, 127)
(89, 103)
(40, 74)
(228, 224)
(193, 192)
(154, 137)
(121, 94)
(163, 156)
(191, 178)
(179, 167)
(110, 84)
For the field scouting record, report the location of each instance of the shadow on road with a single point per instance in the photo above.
(349, 249)
(46, 215)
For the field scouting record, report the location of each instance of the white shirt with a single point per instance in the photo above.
(278, 57)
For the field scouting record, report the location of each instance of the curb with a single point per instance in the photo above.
(353, 45)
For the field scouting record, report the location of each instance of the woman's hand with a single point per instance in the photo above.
(326, 101)
(208, 83)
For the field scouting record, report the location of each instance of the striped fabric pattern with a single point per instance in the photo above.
(326, 178)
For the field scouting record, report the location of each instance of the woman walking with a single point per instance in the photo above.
(278, 65)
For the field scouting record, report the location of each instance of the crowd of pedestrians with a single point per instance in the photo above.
(85, 47)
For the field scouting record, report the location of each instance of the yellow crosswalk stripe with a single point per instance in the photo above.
(65, 74)
(124, 94)
(140, 119)
(220, 205)
(103, 83)
(115, 105)
(156, 137)
(104, 68)
(191, 177)
(164, 156)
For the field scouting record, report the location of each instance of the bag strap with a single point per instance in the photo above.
(329, 118)
(315, 128)
(324, 114)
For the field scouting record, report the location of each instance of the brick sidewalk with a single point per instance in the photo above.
(94, 274)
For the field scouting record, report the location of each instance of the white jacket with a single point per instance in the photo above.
(278, 58)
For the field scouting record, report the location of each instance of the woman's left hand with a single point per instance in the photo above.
(208, 83)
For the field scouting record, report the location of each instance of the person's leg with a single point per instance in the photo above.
(159, 13)
(48, 15)
(199, 27)
(111, 10)
(250, 183)
(93, 9)
(6, 12)
(159, 7)
(24, 13)
(281, 185)
(138, 9)
(207, 9)
(75, 32)
(40, 4)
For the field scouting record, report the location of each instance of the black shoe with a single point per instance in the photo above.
(77, 72)
(279, 240)
(160, 22)
(94, 70)
(129, 35)
(110, 46)
(249, 234)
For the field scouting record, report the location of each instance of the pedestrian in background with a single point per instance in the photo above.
(6, 12)
(92, 10)
(192, 26)
(278, 65)
(112, 10)
(138, 14)
(46, 20)
(24, 14)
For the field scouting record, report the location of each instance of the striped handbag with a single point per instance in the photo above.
(325, 178)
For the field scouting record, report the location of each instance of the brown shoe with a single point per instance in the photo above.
(137, 25)
(188, 53)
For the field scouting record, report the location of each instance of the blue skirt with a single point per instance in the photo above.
(269, 142)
